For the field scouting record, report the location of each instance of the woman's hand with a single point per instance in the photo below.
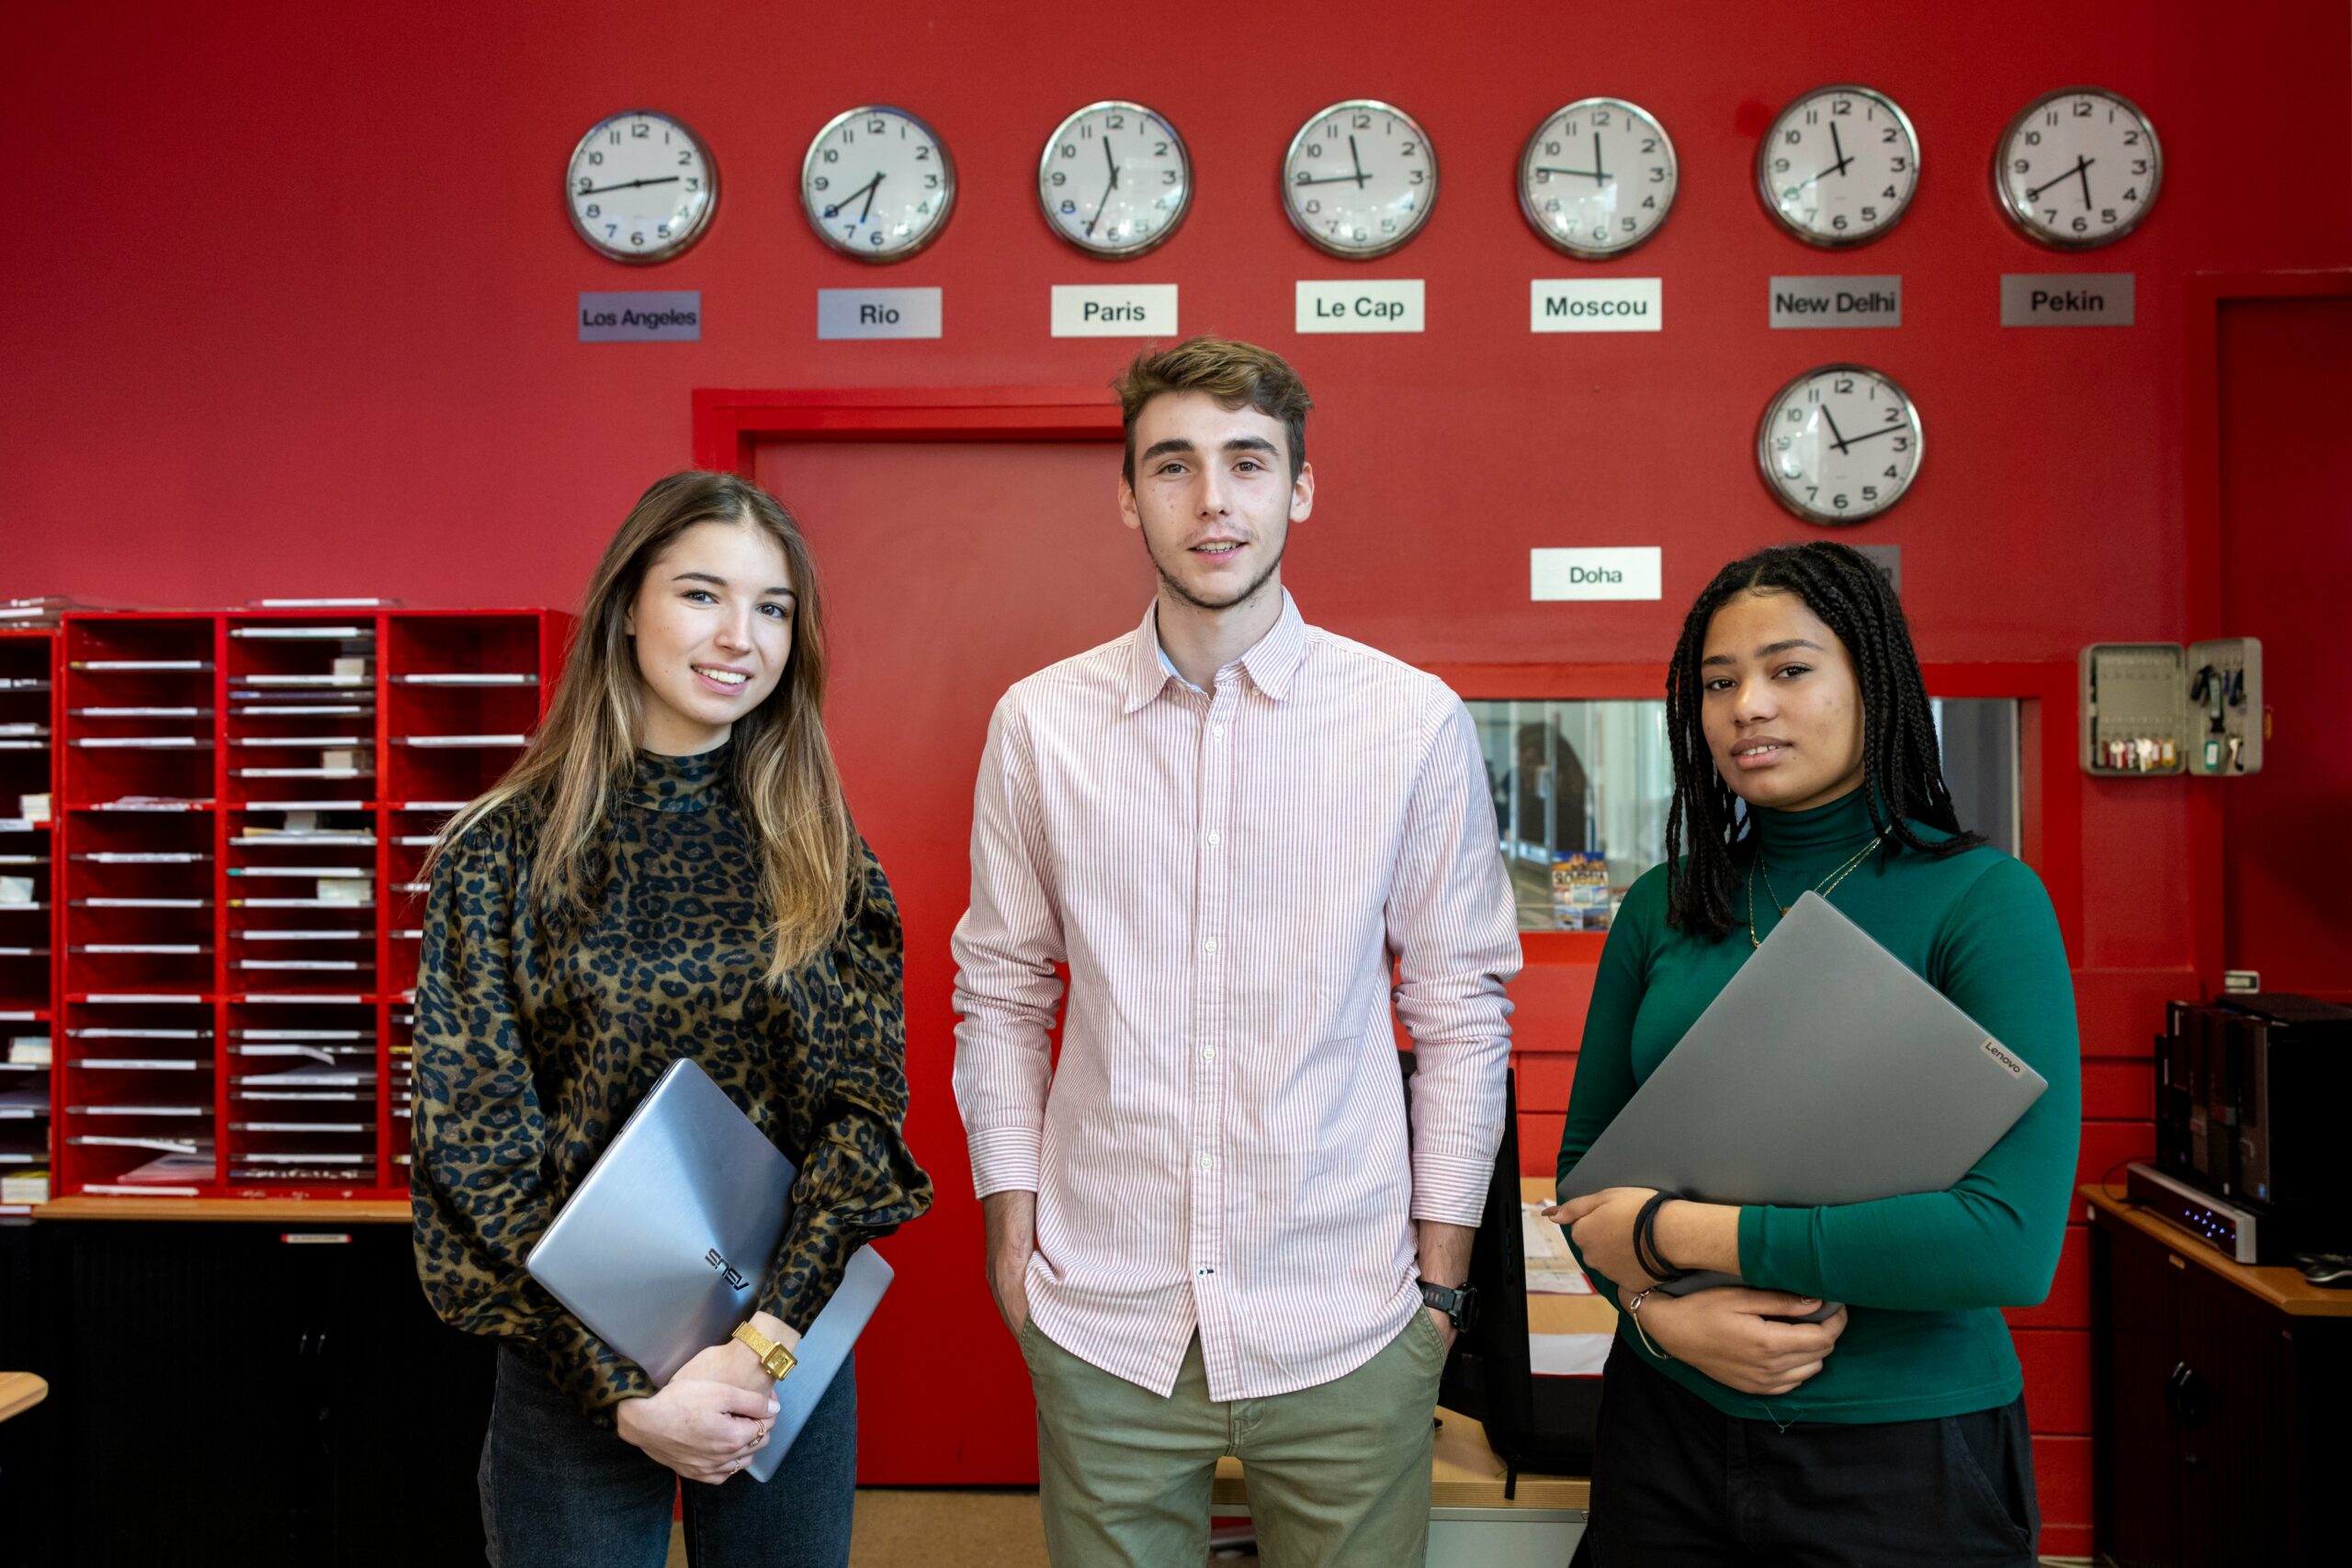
(1601, 1225)
(722, 1413)
(703, 1428)
(1729, 1334)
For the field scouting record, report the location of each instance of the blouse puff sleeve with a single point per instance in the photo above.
(477, 1191)
(858, 1180)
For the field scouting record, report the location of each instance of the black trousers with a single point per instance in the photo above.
(1676, 1482)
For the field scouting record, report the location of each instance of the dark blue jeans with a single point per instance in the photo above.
(560, 1491)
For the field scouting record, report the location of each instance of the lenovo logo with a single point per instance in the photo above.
(2016, 1068)
(734, 1279)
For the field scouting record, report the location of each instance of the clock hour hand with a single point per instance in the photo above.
(1836, 439)
(2082, 166)
(872, 188)
(632, 185)
(1541, 169)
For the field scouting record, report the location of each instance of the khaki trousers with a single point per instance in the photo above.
(1339, 1474)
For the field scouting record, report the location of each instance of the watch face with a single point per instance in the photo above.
(1839, 445)
(878, 184)
(1597, 177)
(1114, 179)
(641, 188)
(1838, 166)
(1360, 178)
(2077, 168)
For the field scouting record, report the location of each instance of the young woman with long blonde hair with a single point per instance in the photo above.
(669, 871)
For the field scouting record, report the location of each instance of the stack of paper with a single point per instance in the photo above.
(24, 1186)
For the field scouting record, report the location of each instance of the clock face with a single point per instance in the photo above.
(1116, 179)
(641, 187)
(878, 184)
(2077, 168)
(1360, 178)
(1839, 444)
(1597, 177)
(1838, 166)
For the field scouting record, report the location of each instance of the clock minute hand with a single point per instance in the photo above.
(1360, 176)
(632, 185)
(865, 190)
(1106, 189)
(1867, 434)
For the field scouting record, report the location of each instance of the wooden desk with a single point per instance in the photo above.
(19, 1392)
(274, 1211)
(2217, 1392)
(2282, 1287)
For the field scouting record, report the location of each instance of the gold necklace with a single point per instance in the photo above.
(1825, 887)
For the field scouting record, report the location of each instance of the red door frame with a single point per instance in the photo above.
(2201, 445)
(729, 424)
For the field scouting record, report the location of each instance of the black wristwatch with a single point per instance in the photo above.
(1459, 1303)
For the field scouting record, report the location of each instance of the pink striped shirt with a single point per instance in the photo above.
(1230, 876)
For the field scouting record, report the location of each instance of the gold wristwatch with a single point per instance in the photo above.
(777, 1358)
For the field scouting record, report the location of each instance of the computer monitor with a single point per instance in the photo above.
(1544, 1424)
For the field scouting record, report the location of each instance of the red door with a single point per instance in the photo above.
(950, 570)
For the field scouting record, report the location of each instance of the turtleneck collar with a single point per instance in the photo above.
(1842, 826)
(679, 784)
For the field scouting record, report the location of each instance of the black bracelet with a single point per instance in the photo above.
(1647, 1255)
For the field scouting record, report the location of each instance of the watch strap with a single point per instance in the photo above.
(775, 1358)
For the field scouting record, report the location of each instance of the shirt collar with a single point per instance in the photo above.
(1272, 662)
(679, 784)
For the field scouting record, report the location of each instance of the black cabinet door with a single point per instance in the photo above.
(2233, 1404)
(225, 1394)
(2136, 1497)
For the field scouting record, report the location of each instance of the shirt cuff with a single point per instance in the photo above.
(1006, 1159)
(1451, 1193)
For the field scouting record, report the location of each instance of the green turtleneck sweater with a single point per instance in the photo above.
(1925, 1277)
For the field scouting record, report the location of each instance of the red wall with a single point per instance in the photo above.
(290, 311)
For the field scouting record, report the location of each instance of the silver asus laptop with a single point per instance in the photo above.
(663, 1248)
(1825, 1072)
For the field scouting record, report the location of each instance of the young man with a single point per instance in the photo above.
(1204, 1226)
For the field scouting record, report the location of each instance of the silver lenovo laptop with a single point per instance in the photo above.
(663, 1248)
(1825, 1072)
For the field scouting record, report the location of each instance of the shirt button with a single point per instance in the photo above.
(1209, 1054)
(1214, 841)
(1209, 946)
(1217, 731)
(1207, 1163)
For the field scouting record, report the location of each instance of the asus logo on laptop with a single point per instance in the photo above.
(733, 1279)
(2016, 1068)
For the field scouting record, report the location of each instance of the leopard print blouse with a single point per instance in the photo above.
(532, 1047)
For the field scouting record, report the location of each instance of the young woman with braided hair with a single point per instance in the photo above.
(1894, 1431)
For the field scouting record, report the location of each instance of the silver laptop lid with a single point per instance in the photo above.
(1825, 1072)
(663, 1248)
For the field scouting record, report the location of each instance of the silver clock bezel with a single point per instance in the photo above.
(678, 245)
(1298, 220)
(1088, 247)
(939, 220)
(1764, 175)
(1834, 519)
(1526, 198)
(2030, 227)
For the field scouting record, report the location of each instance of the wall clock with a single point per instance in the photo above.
(1838, 166)
(1360, 178)
(641, 188)
(1839, 444)
(1597, 177)
(878, 184)
(2077, 168)
(1116, 179)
